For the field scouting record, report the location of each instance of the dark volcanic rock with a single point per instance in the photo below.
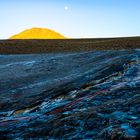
(93, 95)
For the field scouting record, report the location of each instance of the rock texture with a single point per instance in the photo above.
(93, 95)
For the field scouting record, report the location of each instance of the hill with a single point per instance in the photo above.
(38, 33)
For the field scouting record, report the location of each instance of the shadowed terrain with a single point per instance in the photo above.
(83, 95)
(66, 45)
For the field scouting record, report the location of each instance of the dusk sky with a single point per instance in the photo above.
(72, 18)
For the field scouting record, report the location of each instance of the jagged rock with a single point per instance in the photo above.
(93, 95)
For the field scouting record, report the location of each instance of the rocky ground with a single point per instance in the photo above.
(90, 95)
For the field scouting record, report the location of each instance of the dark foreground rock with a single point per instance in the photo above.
(93, 95)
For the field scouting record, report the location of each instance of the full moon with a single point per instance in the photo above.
(66, 8)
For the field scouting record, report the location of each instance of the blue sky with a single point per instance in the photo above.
(72, 18)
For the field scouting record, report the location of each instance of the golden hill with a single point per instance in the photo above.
(38, 33)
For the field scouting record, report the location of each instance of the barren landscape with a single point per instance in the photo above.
(70, 70)
(75, 95)
(26, 46)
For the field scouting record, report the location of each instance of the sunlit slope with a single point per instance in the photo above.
(38, 33)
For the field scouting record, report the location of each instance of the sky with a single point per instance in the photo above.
(72, 18)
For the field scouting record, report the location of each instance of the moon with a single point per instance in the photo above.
(66, 8)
